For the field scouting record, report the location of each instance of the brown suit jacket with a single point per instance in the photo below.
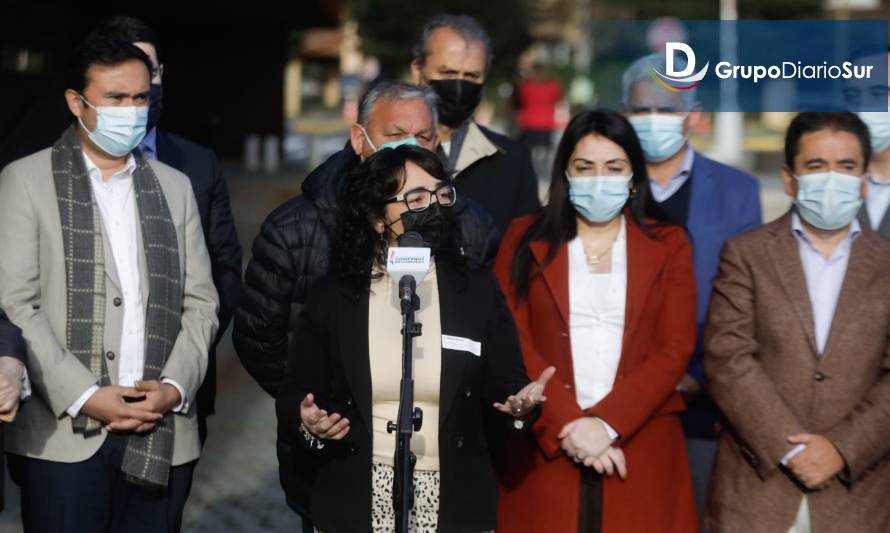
(768, 378)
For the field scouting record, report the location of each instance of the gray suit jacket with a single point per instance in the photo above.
(883, 225)
(33, 292)
(766, 375)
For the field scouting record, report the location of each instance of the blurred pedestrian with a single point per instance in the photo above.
(199, 164)
(453, 57)
(796, 351)
(341, 388)
(536, 99)
(607, 296)
(713, 201)
(291, 252)
(106, 272)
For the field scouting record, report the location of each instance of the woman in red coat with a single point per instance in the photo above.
(608, 298)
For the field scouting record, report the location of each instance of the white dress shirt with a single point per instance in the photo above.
(596, 321)
(116, 200)
(877, 200)
(825, 278)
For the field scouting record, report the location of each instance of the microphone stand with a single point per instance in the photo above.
(410, 418)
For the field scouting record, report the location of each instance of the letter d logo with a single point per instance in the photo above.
(675, 80)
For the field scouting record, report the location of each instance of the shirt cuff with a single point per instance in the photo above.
(609, 429)
(26, 386)
(75, 408)
(181, 405)
(794, 451)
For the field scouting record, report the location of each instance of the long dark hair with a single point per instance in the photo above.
(556, 222)
(355, 245)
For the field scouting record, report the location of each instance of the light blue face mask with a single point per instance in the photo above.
(661, 135)
(410, 141)
(598, 198)
(828, 200)
(878, 123)
(119, 129)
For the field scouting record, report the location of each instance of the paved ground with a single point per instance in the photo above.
(236, 486)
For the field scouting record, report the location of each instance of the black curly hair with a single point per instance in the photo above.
(356, 246)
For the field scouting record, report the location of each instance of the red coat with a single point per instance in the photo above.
(539, 484)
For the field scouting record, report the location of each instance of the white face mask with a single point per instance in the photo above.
(661, 135)
(878, 123)
(828, 200)
(119, 129)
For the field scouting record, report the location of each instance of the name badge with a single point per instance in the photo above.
(451, 342)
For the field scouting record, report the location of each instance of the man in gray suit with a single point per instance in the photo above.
(108, 277)
(875, 213)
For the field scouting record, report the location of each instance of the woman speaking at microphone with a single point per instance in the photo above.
(341, 387)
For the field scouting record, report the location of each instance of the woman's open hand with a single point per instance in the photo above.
(523, 402)
(319, 423)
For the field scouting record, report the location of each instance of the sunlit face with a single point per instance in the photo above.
(595, 155)
(451, 57)
(825, 151)
(415, 177)
(125, 84)
(646, 97)
(394, 120)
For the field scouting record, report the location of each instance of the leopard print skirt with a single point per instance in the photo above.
(424, 515)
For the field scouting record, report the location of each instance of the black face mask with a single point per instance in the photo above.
(156, 99)
(431, 224)
(457, 100)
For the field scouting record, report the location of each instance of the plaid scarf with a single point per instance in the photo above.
(148, 455)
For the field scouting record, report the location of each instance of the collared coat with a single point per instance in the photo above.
(540, 486)
(768, 378)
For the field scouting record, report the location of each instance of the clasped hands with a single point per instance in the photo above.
(11, 370)
(586, 441)
(817, 463)
(136, 408)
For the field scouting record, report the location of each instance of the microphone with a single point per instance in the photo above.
(408, 263)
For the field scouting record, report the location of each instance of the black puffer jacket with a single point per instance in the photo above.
(290, 253)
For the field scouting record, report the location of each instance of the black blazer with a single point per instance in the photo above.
(504, 183)
(11, 344)
(331, 360)
(212, 194)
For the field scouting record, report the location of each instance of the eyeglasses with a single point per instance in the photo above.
(419, 199)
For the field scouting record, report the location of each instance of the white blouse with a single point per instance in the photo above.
(596, 319)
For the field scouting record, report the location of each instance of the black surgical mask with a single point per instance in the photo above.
(431, 224)
(457, 100)
(156, 99)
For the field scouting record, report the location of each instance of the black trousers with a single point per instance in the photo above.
(92, 496)
(590, 515)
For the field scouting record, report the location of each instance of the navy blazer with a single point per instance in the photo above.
(724, 202)
(212, 195)
(11, 341)
(11, 344)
